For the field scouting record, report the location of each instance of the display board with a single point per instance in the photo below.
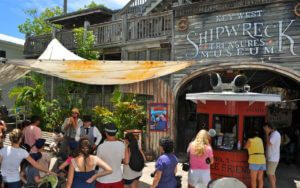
(158, 117)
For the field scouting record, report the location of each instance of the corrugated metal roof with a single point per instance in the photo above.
(12, 40)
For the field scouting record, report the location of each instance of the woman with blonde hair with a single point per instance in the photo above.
(200, 158)
(12, 157)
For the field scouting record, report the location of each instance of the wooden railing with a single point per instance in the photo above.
(107, 33)
(110, 33)
(149, 27)
(35, 45)
(67, 39)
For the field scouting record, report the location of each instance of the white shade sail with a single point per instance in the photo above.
(11, 71)
(58, 61)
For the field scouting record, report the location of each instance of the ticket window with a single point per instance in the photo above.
(253, 122)
(227, 132)
(202, 122)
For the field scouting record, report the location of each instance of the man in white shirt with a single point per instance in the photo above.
(112, 152)
(273, 141)
(88, 131)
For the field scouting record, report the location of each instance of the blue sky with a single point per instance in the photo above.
(12, 11)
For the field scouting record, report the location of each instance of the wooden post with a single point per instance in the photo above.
(124, 54)
(85, 26)
(124, 28)
(65, 6)
(52, 78)
(148, 54)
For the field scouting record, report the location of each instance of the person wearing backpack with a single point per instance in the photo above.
(134, 162)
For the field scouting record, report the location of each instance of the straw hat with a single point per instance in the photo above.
(75, 110)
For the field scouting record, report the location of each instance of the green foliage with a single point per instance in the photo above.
(30, 96)
(36, 23)
(85, 44)
(51, 113)
(93, 5)
(33, 97)
(127, 113)
(73, 94)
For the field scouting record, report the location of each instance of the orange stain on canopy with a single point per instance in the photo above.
(145, 69)
(82, 65)
(73, 69)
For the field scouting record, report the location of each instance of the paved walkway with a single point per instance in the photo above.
(286, 176)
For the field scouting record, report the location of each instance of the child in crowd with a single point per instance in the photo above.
(74, 153)
(31, 177)
(2, 133)
(45, 159)
(57, 138)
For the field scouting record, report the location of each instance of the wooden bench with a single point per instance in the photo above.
(45, 135)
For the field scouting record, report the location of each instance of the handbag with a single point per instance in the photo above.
(186, 165)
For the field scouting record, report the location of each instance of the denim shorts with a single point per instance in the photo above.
(129, 182)
(257, 167)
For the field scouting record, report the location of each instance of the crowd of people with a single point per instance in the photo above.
(89, 160)
(94, 160)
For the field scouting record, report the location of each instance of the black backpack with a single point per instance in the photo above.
(136, 161)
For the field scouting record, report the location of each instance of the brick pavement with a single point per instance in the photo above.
(286, 176)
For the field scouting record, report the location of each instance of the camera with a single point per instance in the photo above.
(152, 174)
(207, 160)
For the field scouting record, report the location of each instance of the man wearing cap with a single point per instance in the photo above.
(88, 131)
(211, 133)
(111, 151)
(69, 128)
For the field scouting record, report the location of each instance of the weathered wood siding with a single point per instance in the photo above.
(162, 93)
(265, 31)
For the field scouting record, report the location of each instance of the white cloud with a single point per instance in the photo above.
(121, 2)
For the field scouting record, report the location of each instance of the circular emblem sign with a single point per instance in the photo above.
(297, 9)
(183, 24)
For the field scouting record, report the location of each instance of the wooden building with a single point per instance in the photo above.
(257, 38)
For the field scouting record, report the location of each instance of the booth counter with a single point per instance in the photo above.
(232, 115)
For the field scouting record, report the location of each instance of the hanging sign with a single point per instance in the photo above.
(242, 34)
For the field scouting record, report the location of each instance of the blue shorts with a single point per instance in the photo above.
(257, 167)
(129, 182)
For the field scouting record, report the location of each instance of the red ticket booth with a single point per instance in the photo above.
(232, 115)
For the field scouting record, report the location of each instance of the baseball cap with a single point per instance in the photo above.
(111, 128)
(212, 132)
(39, 143)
